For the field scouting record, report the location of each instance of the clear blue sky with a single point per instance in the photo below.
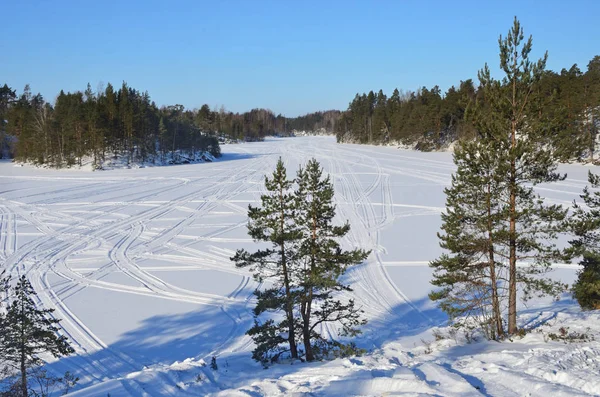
(290, 56)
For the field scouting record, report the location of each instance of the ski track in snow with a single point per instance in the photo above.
(140, 223)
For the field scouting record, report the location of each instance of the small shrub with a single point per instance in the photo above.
(469, 335)
(69, 381)
(570, 337)
(438, 335)
(453, 332)
(427, 344)
(521, 332)
(347, 350)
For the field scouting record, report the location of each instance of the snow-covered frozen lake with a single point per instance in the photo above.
(136, 262)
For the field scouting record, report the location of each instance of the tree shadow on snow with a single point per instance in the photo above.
(404, 320)
(161, 339)
(164, 339)
(240, 156)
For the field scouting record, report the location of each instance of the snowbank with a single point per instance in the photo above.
(548, 361)
(121, 161)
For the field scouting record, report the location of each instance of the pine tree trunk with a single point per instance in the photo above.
(497, 315)
(23, 375)
(289, 306)
(22, 343)
(307, 346)
(288, 295)
(173, 148)
(306, 312)
(587, 107)
(309, 299)
(46, 144)
(438, 126)
(512, 282)
(61, 140)
(512, 279)
(592, 140)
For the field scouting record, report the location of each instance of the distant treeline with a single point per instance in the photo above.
(569, 101)
(324, 122)
(125, 122)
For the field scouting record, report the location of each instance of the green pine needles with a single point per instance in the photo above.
(304, 266)
(26, 333)
(499, 233)
(585, 225)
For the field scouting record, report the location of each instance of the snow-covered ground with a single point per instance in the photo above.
(123, 161)
(136, 263)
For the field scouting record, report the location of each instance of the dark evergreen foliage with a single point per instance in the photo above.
(304, 265)
(27, 332)
(585, 225)
(7, 97)
(324, 122)
(322, 263)
(568, 101)
(273, 222)
(472, 278)
(103, 124)
(515, 225)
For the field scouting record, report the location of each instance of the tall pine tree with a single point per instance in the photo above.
(323, 262)
(273, 223)
(523, 227)
(513, 123)
(469, 279)
(7, 96)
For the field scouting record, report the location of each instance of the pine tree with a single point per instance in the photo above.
(585, 225)
(591, 89)
(469, 278)
(4, 299)
(29, 332)
(126, 120)
(512, 123)
(163, 135)
(7, 96)
(91, 120)
(565, 113)
(521, 226)
(369, 108)
(109, 110)
(273, 223)
(21, 124)
(323, 262)
(380, 119)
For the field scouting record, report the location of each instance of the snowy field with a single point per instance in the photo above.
(136, 263)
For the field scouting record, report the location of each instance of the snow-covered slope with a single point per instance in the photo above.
(136, 263)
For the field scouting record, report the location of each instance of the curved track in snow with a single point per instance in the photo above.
(81, 237)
